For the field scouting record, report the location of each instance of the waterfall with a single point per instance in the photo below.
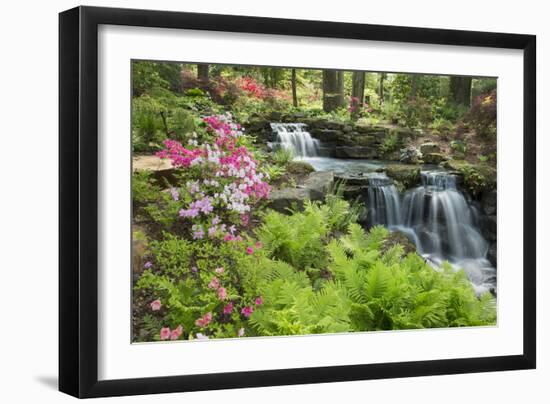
(438, 219)
(295, 137)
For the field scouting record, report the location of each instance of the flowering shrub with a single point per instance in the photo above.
(200, 289)
(223, 182)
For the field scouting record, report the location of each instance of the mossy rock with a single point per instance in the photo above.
(299, 168)
(397, 237)
(406, 174)
(433, 158)
(477, 178)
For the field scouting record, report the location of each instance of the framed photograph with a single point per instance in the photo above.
(251, 201)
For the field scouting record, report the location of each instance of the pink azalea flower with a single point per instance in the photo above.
(228, 308)
(245, 219)
(156, 305)
(219, 270)
(165, 333)
(214, 283)
(247, 311)
(222, 294)
(249, 250)
(240, 333)
(176, 333)
(228, 237)
(259, 301)
(204, 320)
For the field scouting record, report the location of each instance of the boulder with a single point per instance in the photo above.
(160, 168)
(410, 155)
(429, 147)
(299, 168)
(492, 254)
(477, 179)
(489, 202)
(433, 158)
(398, 237)
(352, 192)
(327, 135)
(314, 187)
(318, 183)
(284, 199)
(361, 179)
(489, 227)
(358, 152)
(406, 174)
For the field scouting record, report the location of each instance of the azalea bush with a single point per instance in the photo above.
(221, 180)
(201, 288)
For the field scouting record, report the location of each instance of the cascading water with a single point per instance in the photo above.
(438, 219)
(435, 215)
(295, 137)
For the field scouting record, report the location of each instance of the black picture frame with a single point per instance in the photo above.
(78, 201)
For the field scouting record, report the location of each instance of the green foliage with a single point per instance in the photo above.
(417, 112)
(371, 291)
(147, 124)
(296, 239)
(144, 188)
(391, 143)
(442, 127)
(180, 276)
(182, 123)
(459, 148)
(282, 156)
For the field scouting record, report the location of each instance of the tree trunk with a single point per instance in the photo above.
(294, 94)
(358, 87)
(330, 90)
(357, 93)
(341, 98)
(461, 90)
(202, 74)
(381, 88)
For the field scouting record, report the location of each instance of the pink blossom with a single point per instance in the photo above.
(165, 333)
(245, 219)
(228, 237)
(219, 270)
(214, 283)
(156, 305)
(204, 320)
(240, 333)
(176, 333)
(216, 220)
(247, 311)
(259, 301)
(259, 244)
(249, 250)
(222, 294)
(228, 308)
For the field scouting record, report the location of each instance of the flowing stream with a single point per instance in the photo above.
(435, 215)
